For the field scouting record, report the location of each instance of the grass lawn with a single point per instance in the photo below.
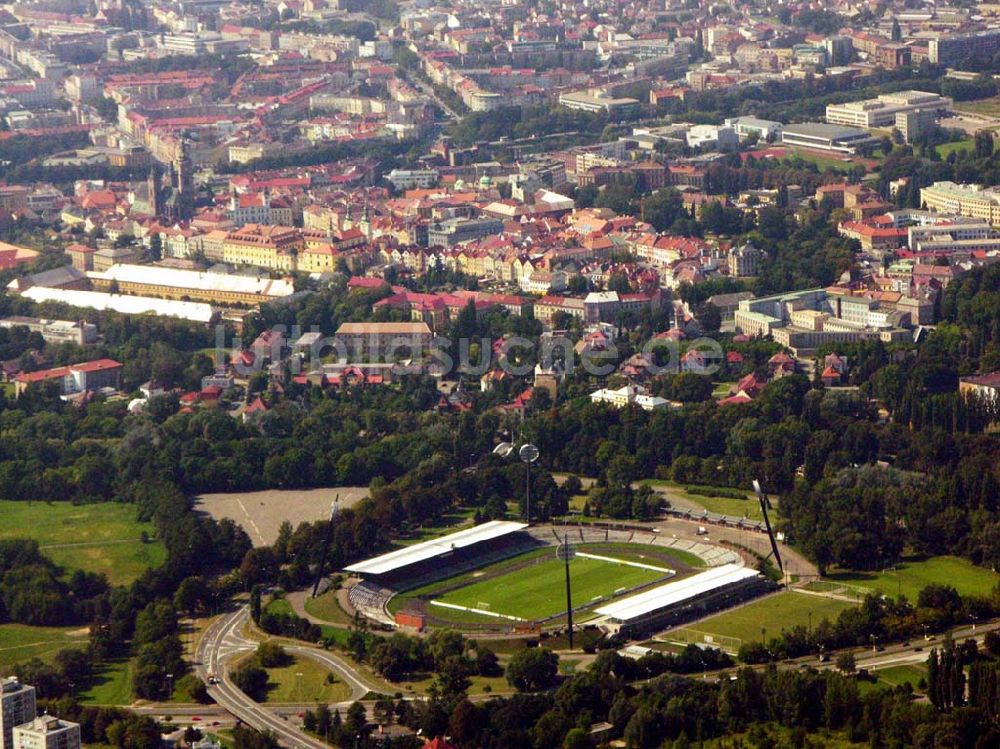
(774, 613)
(304, 681)
(944, 149)
(338, 635)
(782, 736)
(19, 642)
(988, 107)
(910, 576)
(111, 685)
(449, 523)
(103, 538)
(898, 675)
(539, 590)
(722, 389)
(823, 162)
(325, 607)
(279, 606)
(748, 508)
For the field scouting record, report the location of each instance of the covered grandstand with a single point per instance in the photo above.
(416, 565)
(674, 602)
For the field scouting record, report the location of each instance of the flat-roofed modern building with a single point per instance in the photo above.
(963, 200)
(951, 48)
(588, 102)
(882, 111)
(47, 732)
(17, 706)
(674, 602)
(747, 126)
(55, 331)
(826, 137)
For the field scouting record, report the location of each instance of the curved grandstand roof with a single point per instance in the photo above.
(673, 593)
(436, 547)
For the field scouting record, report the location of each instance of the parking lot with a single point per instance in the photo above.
(261, 513)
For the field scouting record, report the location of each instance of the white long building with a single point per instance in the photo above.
(882, 111)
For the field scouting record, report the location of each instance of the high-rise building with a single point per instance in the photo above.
(949, 49)
(47, 732)
(17, 706)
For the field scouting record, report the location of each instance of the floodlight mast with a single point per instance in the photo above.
(528, 454)
(326, 544)
(764, 503)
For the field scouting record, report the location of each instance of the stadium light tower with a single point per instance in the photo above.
(765, 502)
(528, 454)
(326, 544)
(566, 552)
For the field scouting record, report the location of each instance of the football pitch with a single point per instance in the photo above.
(538, 591)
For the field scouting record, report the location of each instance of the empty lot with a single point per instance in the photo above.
(262, 513)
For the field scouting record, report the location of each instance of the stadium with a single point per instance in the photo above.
(504, 577)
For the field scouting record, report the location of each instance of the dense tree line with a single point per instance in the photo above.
(20, 149)
(33, 590)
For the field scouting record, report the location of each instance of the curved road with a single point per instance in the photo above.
(223, 642)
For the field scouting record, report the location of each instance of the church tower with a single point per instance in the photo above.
(153, 191)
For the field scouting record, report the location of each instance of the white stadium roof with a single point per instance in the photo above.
(673, 593)
(129, 305)
(425, 550)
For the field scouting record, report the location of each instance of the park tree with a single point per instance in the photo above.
(251, 679)
(531, 669)
(191, 594)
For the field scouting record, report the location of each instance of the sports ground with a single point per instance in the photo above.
(105, 538)
(532, 586)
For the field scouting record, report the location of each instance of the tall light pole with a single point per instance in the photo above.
(566, 553)
(528, 454)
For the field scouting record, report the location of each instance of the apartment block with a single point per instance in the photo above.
(963, 200)
(47, 732)
(17, 707)
(948, 49)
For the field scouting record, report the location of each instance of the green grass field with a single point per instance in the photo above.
(944, 149)
(538, 591)
(111, 685)
(279, 606)
(748, 508)
(304, 680)
(910, 576)
(987, 107)
(822, 162)
(774, 613)
(103, 538)
(898, 675)
(325, 607)
(19, 642)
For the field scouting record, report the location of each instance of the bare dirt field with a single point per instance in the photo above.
(261, 513)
